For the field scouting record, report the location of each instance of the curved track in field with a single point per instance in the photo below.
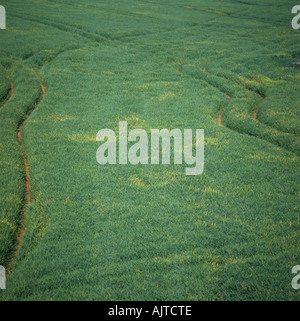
(261, 95)
(71, 29)
(27, 190)
(230, 97)
(27, 185)
(219, 118)
(95, 37)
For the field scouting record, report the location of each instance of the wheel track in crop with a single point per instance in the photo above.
(249, 88)
(219, 118)
(220, 114)
(257, 92)
(27, 185)
(254, 116)
(27, 196)
(230, 97)
(73, 30)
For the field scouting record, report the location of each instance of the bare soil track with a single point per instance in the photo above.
(219, 118)
(12, 89)
(27, 185)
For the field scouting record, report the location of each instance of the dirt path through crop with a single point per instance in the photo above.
(12, 89)
(219, 118)
(27, 185)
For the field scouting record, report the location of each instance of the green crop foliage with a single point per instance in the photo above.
(149, 232)
(4, 86)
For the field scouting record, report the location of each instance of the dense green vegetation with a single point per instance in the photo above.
(149, 232)
(4, 86)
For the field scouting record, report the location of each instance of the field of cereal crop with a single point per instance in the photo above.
(72, 229)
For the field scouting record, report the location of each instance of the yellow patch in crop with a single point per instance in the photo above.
(136, 181)
(277, 113)
(242, 115)
(10, 29)
(247, 82)
(81, 138)
(166, 96)
(272, 158)
(209, 189)
(134, 122)
(59, 117)
(215, 141)
(282, 54)
(7, 222)
(165, 83)
(164, 178)
(263, 79)
(56, 117)
(10, 163)
(108, 73)
(171, 176)
(142, 86)
(162, 260)
(255, 156)
(159, 178)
